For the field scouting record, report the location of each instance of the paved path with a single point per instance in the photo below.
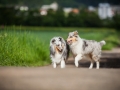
(47, 78)
(70, 78)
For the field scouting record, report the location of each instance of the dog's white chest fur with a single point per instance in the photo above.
(77, 48)
(57, 58)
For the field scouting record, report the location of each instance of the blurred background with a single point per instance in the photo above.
(26, 27)
(61, 13)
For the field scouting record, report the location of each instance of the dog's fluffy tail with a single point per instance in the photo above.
(102, 42)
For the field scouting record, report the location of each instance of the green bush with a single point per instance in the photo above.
(21, 49)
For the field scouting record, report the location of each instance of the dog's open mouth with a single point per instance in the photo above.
(69, 42)
(60, 50)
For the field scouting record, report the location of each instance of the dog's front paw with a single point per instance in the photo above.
(62, 64)
(76, 64)
(90, 67)
(54, 65)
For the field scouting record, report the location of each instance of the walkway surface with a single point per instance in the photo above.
(47, 78)
(70, 78)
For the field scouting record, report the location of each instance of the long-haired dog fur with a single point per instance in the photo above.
(81, 47)
(59, 51)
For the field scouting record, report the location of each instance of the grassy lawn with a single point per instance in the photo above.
(29, 46)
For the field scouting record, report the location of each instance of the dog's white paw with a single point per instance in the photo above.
(76, 64)
(54, 65)
(97, 68)
(90, 67)
(62, 64)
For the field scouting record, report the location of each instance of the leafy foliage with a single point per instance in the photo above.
(10, 16)
(116, 20)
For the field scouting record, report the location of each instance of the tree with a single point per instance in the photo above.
(116, 20)
(72, 20)
(7, 15)
(48, 20)
(59, 18)
(92, 20)
(33, 18)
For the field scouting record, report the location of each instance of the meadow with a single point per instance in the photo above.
(29, 46)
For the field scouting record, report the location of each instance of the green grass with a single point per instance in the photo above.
(21, 49)
(29, 46)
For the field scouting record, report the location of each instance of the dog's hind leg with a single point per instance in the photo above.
(91, 65)
(92, 61)
(62, 64)
(97, 64)
(77, 58)
(96, 59)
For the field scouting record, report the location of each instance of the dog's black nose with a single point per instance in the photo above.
(58, 45)
(69, 42)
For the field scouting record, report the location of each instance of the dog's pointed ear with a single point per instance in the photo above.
(76, 32)
(53, 40)
(60, 38)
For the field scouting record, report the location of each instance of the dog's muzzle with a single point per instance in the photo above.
(60, 49)
(69, 41)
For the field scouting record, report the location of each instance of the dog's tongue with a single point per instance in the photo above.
(59, 49)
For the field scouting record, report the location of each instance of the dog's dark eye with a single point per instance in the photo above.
(70, 36)
(76, 36)
(53, 40)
